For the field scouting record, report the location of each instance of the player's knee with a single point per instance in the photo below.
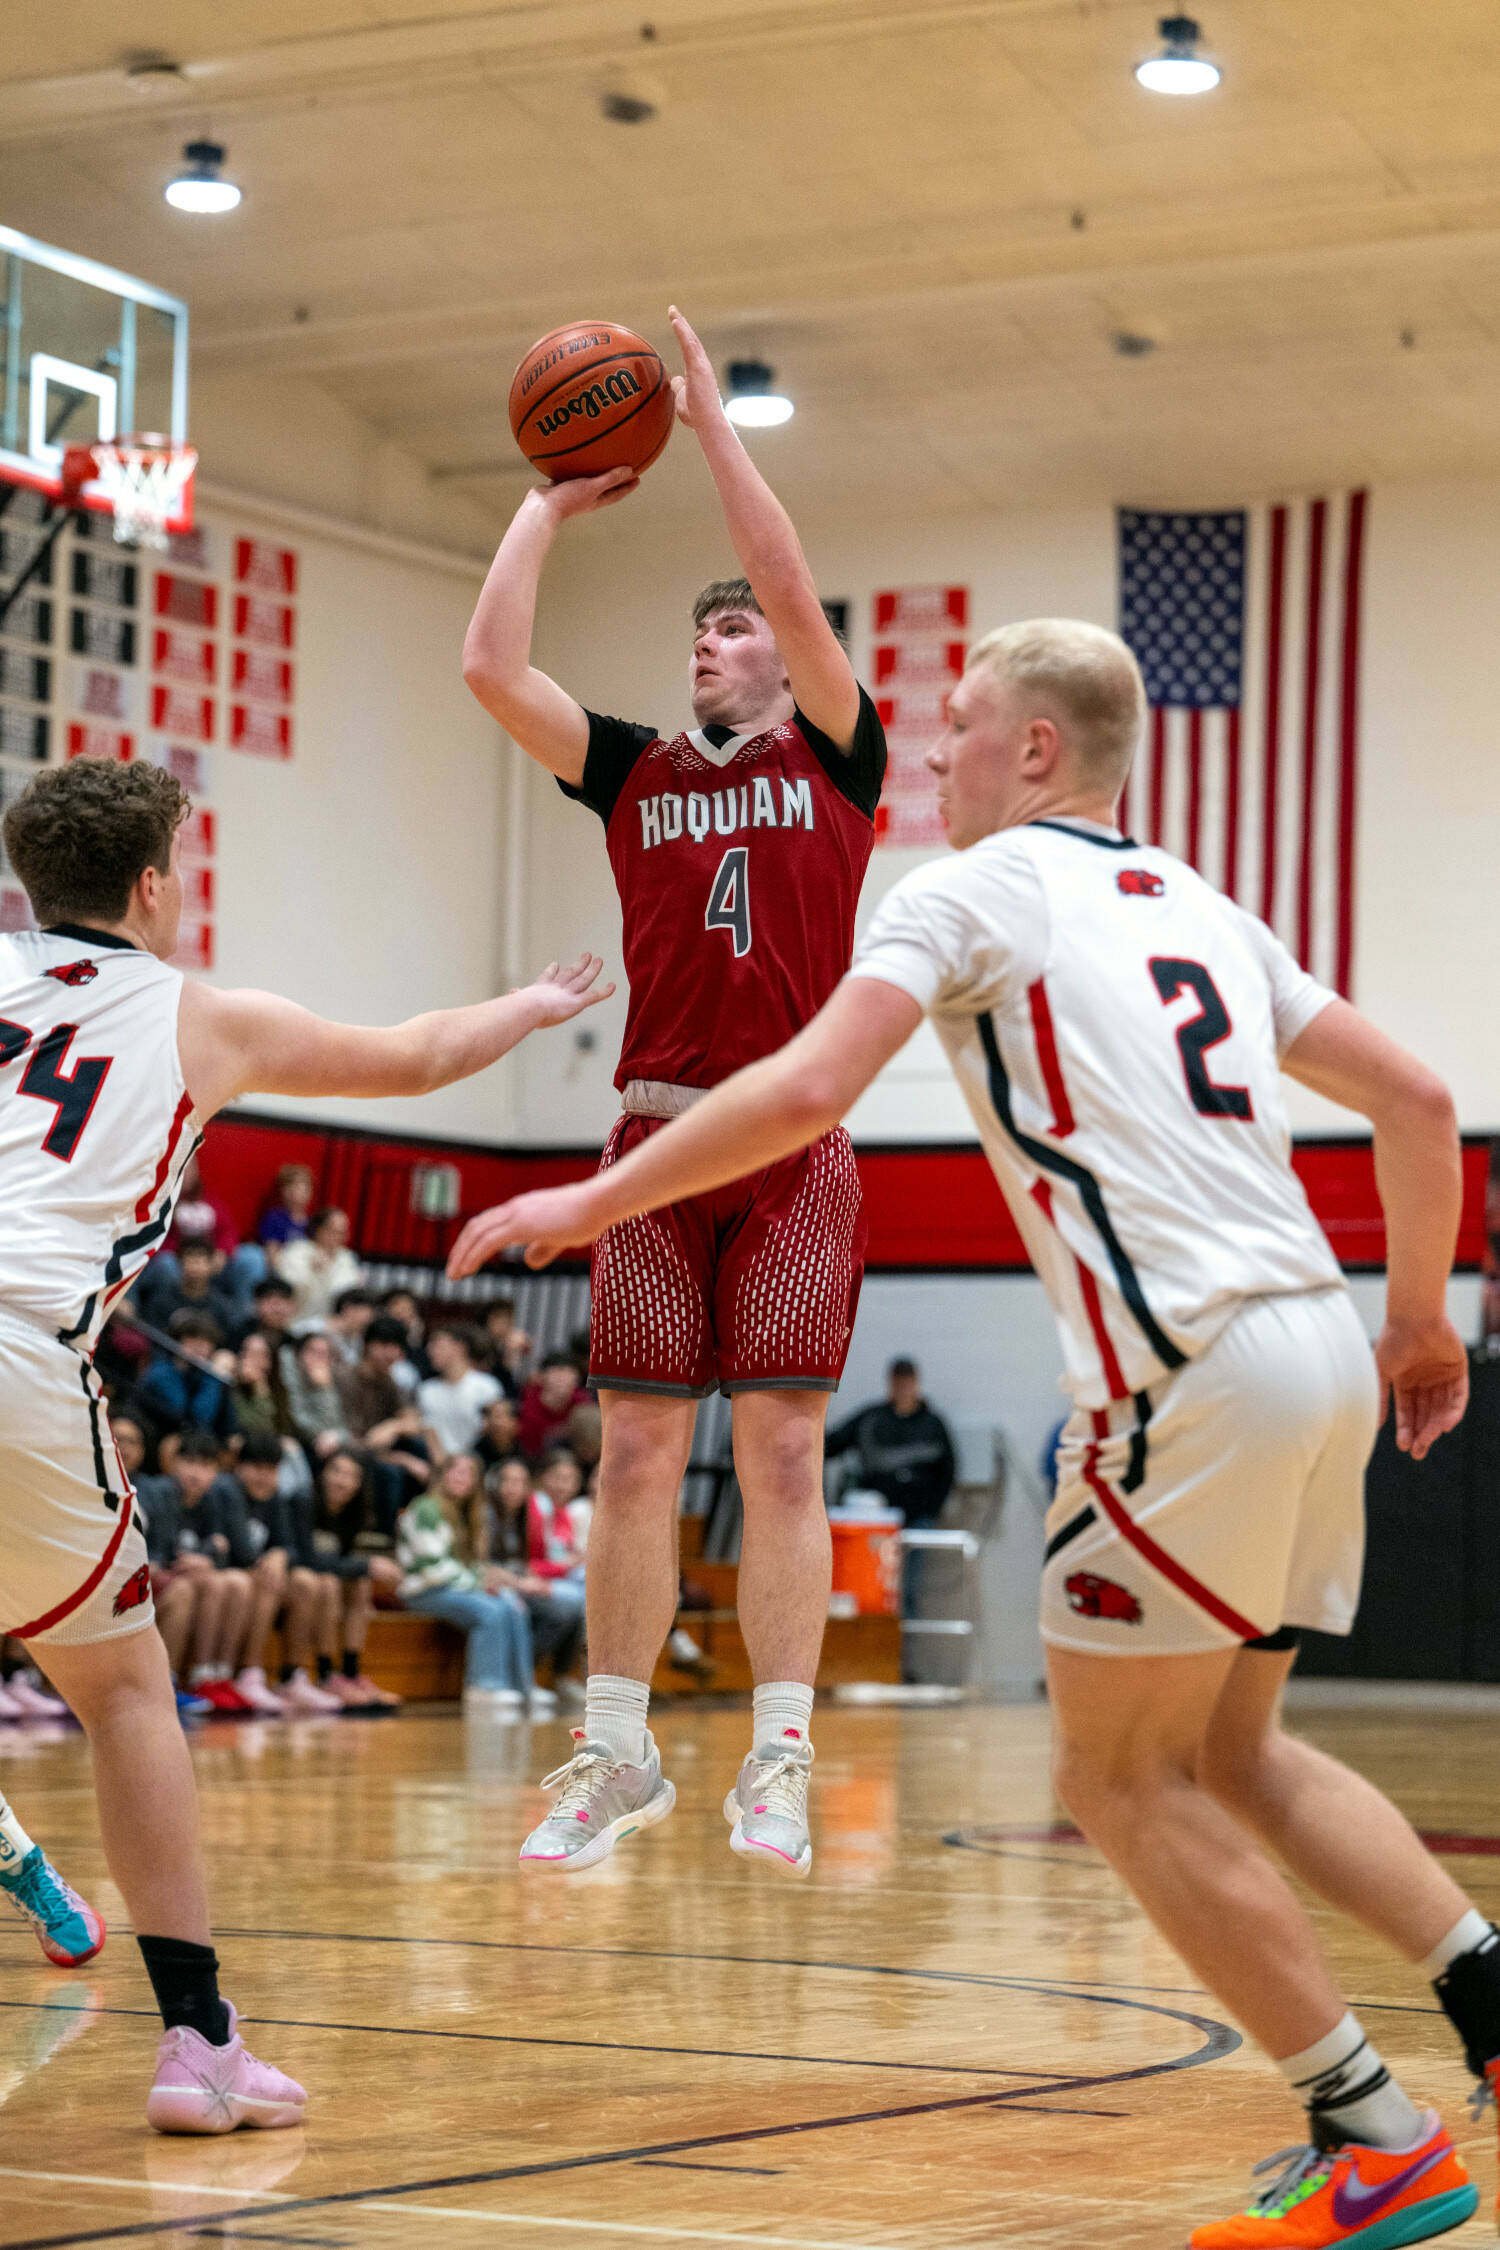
(271, 1570)
(1236, 1768)
(784, 1467)
(640, 1467)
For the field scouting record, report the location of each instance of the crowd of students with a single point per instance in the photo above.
(305, 1451)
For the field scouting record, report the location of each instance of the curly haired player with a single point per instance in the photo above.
(110, 1063)
(738, 849)
(1118, 1030)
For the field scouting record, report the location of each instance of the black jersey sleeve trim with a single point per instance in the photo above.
(614, 746)
(856, 773)
(1078, 1175)
(1087, 836)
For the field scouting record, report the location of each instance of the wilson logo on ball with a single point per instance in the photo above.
(593, 402)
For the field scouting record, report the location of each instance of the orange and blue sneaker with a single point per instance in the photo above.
(68, 1930)
(1377, 2197)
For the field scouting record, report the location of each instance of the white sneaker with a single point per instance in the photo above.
(251, 1684)
(541, 1703)
(495, 1702)
(299, 1695)
(9, 1707)
(600, 1798)
(767, 1808)
(31, 1702)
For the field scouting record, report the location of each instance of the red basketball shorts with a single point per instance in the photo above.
(752, 1287)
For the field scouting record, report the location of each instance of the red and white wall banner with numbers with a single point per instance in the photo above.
(174, 658)
(917, 656)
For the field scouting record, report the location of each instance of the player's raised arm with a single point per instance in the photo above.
(534, 711)
(1419, 1174)
(766, 542)
(233, 1043)
(762, 1113)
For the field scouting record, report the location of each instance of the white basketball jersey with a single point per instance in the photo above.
(1116, 1024)
(96, 1126)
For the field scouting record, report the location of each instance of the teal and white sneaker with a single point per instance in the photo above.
(68, 1930)
(600, 1799)
(767, 1808)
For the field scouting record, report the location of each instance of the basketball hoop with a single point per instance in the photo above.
(145, 479)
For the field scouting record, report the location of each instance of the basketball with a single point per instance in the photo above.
(591, 397)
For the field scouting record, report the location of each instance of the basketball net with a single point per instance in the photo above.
(145, 480)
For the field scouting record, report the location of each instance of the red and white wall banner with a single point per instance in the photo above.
(917, 656)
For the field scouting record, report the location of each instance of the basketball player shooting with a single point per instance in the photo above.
(738, 849)
(110, 1065)
(1118, 1028)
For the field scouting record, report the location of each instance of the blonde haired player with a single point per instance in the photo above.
(1118, 1028)
(110, 1065)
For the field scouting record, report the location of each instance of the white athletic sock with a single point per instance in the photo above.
(782, 1714)
(1349, 2091)
(614, 1713)
(14, 1841)
(1472, 1934)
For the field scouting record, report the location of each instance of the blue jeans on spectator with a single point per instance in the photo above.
(557, 1620)
(499, 1650)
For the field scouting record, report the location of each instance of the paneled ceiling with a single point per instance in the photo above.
(934, 218)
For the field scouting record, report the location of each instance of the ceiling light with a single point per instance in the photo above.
(752, 403)
(199, 186)
(1179, 68)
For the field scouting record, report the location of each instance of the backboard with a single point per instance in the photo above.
(85, 354)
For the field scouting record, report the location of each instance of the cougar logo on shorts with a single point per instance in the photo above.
(1093, 1596)
(74, 972)
(136, 1589)
(1139, 882)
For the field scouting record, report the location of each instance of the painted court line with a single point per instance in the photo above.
(156, 2187)
(548, 2223)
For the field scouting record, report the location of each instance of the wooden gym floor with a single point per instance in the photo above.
(958, 2032)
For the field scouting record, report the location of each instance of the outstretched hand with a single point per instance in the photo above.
(580, 496)
(696, 390)
(562, 993)
(1424, 1367)
(548, 1221)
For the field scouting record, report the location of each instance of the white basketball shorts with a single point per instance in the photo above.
(1227, 1502)
(72, 1558)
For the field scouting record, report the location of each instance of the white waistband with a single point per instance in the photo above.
(653, 1097)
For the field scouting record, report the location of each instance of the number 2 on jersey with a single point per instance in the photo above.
(729, 900)
(72, 1094)
(1194, 1038)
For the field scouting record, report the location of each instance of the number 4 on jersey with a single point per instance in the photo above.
(72, 1095)
(729, 900)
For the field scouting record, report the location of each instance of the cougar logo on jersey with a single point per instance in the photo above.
(1139, 882)
(1093, 1596)
(752, 805)
(74, 972)
(136, 1589)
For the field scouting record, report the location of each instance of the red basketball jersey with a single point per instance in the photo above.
(738, 860)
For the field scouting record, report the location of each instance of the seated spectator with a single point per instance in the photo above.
(182, 1389)
(435, 1541)
(285, 1216)
(517, 1536)
(509, 1346)
(454, 1400)
(559, 1482)
(583, 1435)
(188, 1283)
(905, 1453)
(202, 1596)
(123, 1351)
(261, 1405)
(320, 1265)
(312, 1390)
(254, 1527)
(547, 1401)
(273, 1309)
(416, 1367)
(497, 1440)
(353, 1311)
(345, 1540)
(203, 1217)
(385, 1422)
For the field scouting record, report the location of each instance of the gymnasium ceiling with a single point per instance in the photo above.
(933, 218)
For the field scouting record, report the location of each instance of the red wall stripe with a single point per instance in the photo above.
(1317, 539)
(1349, 740)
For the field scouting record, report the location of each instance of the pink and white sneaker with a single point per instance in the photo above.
(9, 1707)
(32, 1702)
(200, 2088)
(251, 1684)
(300, 1696)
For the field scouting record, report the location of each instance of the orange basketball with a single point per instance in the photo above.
(590, 397)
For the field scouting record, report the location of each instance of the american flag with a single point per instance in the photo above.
(1246, 625)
